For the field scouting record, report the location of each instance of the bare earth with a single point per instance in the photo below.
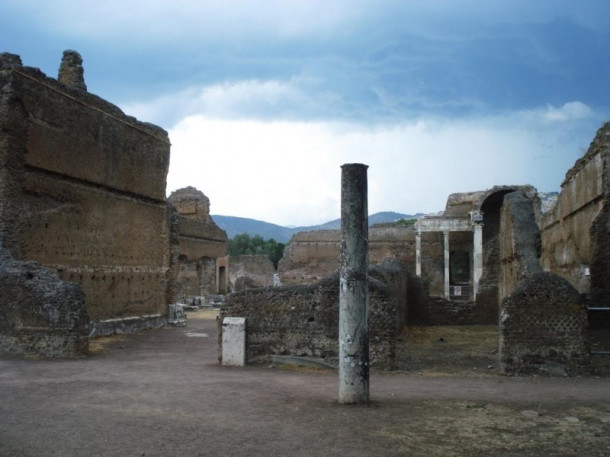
(162, 393)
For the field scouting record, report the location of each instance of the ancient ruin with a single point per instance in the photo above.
(89, 245)
(251, 271)
(202, 263)
(82, 193)
(486, 260)
(302, 321)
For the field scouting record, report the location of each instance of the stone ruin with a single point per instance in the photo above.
(451, 259)
(82, 194)
(201, 248)
(541, 275)
(40, 313)
(82, 201)
(302, 321)
(543, 318)
(250, 272)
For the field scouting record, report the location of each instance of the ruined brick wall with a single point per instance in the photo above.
(199, 244)
(258, 268)
(310, 256)
(600, 228)
(83, 191)
(315, 254)
(41, 315)
(519, 242)
(491, 204)
(303, 320)
(543, 328)
(543, 319)
(575, 232)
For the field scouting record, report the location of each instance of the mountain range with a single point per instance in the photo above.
(237, 225)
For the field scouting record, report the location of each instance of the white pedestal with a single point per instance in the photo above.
(234, 341)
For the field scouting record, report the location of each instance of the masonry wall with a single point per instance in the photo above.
(303, 320)
(83, 192)
(198, 243)
(574, 232)
(251, 271)
(41, 315)
(543, 319)
(310, 256)
(313, 255)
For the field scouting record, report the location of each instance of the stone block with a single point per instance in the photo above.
(234, 341)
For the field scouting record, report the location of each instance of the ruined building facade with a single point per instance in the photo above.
(82, 193)
(495, 257)
(201, 247)
(451, 259)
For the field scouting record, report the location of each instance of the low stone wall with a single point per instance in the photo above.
(303, 320)
(543, 328)
(41, 315)
(126, 325)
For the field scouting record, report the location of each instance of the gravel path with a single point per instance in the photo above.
(162, 393)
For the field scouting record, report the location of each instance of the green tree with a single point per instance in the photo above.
(406, 222)
(244, 244)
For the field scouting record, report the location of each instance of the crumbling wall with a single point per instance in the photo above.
(575, 232)
(313, 255)
(310, 256)
(83, 190)
(257, 268)
(543, 319)
(41, 315)
(600, 228)
(303, 320)
(519, 242)
(199, 244)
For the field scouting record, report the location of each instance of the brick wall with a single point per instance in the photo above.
(543, 319)
(83, 192)
(303, 320)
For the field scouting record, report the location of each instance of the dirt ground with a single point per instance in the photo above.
(162, 393)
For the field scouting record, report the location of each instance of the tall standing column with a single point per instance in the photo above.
(477, 258)
(353, 283)
(418, 253)
(446, 249)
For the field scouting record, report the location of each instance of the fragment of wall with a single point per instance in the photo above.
(257, 268)
(303, 320)
(567, 246)
(41, 315)
(199, 243)
(313, 255)
(86, 194)
(543, 319)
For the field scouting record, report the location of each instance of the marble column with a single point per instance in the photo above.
(353, 287)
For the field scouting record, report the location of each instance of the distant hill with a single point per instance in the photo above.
(237, 225)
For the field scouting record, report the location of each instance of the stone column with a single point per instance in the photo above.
(353, 283)
(477, 258)
(446, 249)
(418, 253)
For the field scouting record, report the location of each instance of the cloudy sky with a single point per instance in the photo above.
(265, 100)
